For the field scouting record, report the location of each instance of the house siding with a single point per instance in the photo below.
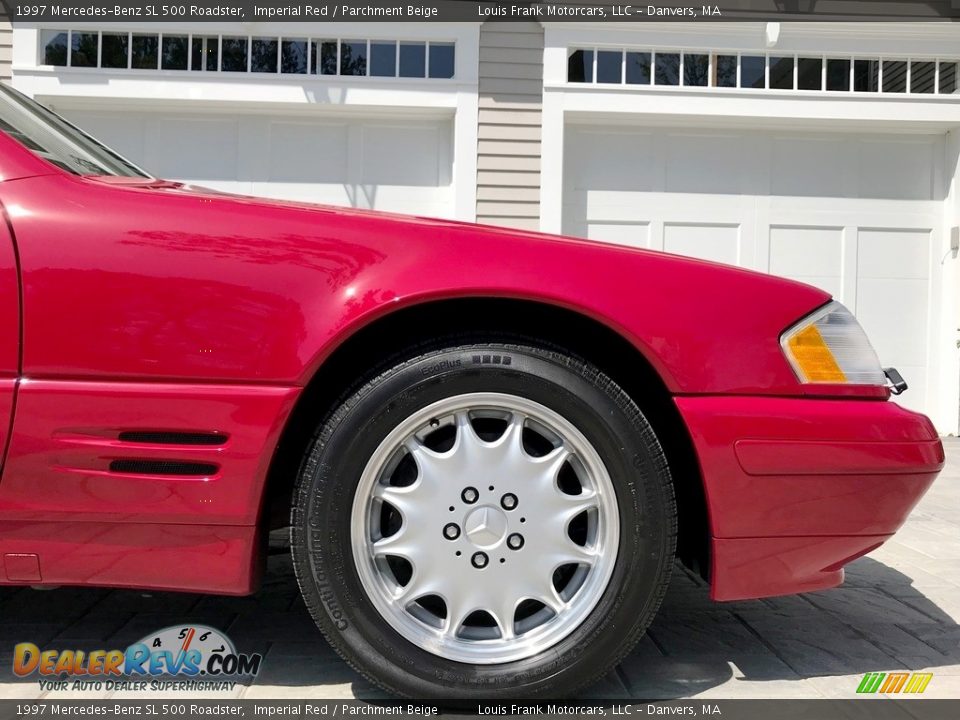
(6, 46)
(509, 124)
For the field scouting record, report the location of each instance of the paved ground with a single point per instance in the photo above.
(899, 609)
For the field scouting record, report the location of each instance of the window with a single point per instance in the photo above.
(866, 75)
(174, 55)
(923, 76)
(293, 57)
(753, 71)
(580, 66)
(234, 54)
(838, 74)
(386, 58)
(609, 66)
(809, 73)
(441, 60)
(781, 73)
(726, 70)
(774, 71)
(144, 50)
(54, 47)
(263, 55)
(114, 50)
(413, 60)
(353, 57)
(666, 69)
(637, 68)
(84, 48)
(894, 76)
(696, 70)
(383, 59)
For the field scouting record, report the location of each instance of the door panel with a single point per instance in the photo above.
(9, 330)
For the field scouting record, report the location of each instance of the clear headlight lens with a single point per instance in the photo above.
(829, 346)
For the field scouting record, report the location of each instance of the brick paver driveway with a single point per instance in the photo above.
(899, 609)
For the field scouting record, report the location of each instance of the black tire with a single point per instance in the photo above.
(598, 407)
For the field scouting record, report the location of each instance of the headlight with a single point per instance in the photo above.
(829, 346)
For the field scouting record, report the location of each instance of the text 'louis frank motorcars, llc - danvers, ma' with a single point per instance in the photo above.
(490, 446)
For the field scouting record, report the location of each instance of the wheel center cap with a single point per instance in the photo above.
(485, 526)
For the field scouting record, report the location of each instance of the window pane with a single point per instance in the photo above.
(174, 55)
(84, 49)
(726, 71)
(353, 57)
(922, 75)
(638, 68)
(838, 74)
(580, 66)
(894, 76)
(114, 50)
(293, 56)
(948, 78)
(809, 73)
(383, 59)
(441, 60)
(667, 68)
(696, 70)
(608, 66)
(263, 55)
(781, 73)
(752, 71)
(234, 54)
(324, 54)
(413, 60)
(866, 73)
(54, 47)
(205, 53)
(144, 51)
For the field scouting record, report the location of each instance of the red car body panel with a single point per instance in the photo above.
(148, 307)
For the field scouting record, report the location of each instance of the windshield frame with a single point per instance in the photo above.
(76, 152)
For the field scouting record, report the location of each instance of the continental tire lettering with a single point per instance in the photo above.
(440, 367)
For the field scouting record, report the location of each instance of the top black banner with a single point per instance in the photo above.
(146, 11)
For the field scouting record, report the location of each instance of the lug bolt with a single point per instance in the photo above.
(508, 501)
(479, 560)
(451, 531)
(470, 495)
(515, 541)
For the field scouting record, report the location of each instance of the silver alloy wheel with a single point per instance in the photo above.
(485, 528)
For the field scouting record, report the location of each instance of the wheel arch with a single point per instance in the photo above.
(375, 346)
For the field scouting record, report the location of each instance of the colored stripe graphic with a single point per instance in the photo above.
(870, 682)
(918, 682)
(894, 682)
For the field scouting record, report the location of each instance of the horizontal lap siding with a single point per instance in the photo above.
(509, 131)
(6, 46)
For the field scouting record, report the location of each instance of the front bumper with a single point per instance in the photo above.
(797, 487)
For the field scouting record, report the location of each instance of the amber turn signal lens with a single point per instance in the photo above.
(813, 358)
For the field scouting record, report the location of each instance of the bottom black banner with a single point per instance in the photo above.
(878, 708)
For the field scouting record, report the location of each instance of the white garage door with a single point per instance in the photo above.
(397, 165)
(854, 214)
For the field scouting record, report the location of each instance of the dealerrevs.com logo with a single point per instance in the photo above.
(192, 657)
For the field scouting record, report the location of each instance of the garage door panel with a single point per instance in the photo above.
(894, 314)
(396, 155)
(702, 164)
(404, 166)
(720, 243)
(893, 253)
(854, 215)
(632, 234)
(813, 255)
(590, 153)
(897, 169)
(808, 166)
(194, 148)
(308, 152)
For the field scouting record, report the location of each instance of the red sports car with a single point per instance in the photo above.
(490, 445)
